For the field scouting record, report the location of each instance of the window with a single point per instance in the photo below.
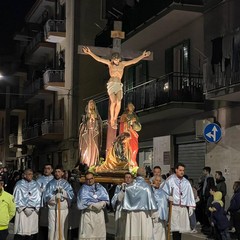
(135, 75)
(177, 58)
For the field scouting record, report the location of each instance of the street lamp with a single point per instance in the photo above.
(1, 76)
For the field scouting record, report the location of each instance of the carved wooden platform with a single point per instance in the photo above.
(110, 177)
(115, 177)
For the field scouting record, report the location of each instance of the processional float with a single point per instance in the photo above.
(122, 135)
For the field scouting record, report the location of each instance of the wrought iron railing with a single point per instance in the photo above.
(46, 127)
(32, 87)
(220, 80)
(173, 87)
(52, 127)
(54, 26)
(12, 140)
(17, 102)
(35, 41)
(177, 87)
(53, 76)
(31, 132)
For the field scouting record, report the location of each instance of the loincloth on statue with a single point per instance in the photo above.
(114, 87)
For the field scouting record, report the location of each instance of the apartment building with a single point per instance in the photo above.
(193, 80)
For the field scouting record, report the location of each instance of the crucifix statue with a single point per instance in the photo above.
(116, 69)
(114, 85)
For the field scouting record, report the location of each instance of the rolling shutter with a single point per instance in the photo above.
(193, 156)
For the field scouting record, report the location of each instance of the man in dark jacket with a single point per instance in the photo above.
(207, 184)
(234, 208)
(220, 184)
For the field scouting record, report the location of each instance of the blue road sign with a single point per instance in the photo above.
(212, 133)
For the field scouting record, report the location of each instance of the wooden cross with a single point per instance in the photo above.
(117, 36)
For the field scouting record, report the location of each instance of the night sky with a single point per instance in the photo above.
(12, 17)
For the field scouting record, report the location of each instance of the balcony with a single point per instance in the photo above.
(54, 79)
(13, 144)
(223, 87)
(38, 50)
(34, 91)
(17, 104)
(172, 95)
(37, 10)
(46, 132)
(55, 31)
(12, 140)
(146, 23)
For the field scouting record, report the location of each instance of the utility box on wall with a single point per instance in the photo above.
(200, 125)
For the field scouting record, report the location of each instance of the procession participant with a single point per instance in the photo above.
(58, 196)
(114, 85)
(91, 199)
(27, 196)
(117, 201)
(7, 210)
(161, 216)
(157, 171)
(140, 205)
(42, 182)
(180, 193)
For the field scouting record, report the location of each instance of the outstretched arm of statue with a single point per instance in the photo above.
(137, 59)
(87, 51)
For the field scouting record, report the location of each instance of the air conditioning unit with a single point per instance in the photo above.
(200, 125)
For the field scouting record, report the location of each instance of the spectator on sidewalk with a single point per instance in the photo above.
(205, 186)
(234, 208)
(7, 210)
(220, 184)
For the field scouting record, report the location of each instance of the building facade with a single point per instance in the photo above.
(192, 80)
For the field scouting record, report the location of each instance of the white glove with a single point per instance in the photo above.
(155, 217)
(20, 209)
(51, 202)
(28, 211)
(197, 199)
(58, 196)
(98, 206)
(170, 198)
(123, 186)
(64, 194)
(190, 211)
(120, 196)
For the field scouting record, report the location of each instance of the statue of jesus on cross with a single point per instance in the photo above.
(114, 85)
